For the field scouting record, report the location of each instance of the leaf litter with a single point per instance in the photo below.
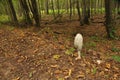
(26, 54)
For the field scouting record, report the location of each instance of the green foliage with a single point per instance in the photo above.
(56, 11)
(90, 45)
(114, 49)
(61, 79)
(56, 57)
(116, 58)
(101, 10)
(30, 74)
(95, 38)
(3, 18)
(112, 34)
(70, 51)
(94, 70)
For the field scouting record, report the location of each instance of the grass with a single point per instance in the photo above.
(70, 51)
(94, 70)
(4, 18)
(116, 58)
(95, 38)
(115, 49)
(90, 44)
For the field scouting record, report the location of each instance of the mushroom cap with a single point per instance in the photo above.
(78, 41)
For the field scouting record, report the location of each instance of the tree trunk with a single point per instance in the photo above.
(13, 13)
(85, 12)
(47, 6)
(79, 14)
(26, 11)
(58, 7)
(70, 8)
(53, 8)
(34, 10)
(109, 19)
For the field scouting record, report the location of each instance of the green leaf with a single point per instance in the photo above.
(30, 74)
(114, 49)
(70, 51)
(56, 57)
(94, 70)
(116, 58)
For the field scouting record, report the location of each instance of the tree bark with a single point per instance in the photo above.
(47, 6)
(79, 14)
(70, 1)
(13, 13)
(109, 22)
(34, 10)
(86, 12)
(26, 11)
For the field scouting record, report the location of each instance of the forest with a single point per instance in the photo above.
(37, 39)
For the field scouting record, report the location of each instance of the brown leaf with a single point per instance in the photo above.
(18, 78)
(81, 76)
(58, 72)
(101, 73)
(116, 68)
(88, 71)
(54, 66)
(116, 75)
(108, 65)
(21, 59)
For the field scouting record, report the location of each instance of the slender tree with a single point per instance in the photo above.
(86, 12)
(109, 21)
(79, 14)
(47, 6)
(26, 11)
(34, 9)
(52, 2)
(70, 1)
(58, 6)
(12, 12)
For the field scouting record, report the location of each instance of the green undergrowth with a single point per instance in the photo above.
(70, 51)
(4, 19)
(116, 58)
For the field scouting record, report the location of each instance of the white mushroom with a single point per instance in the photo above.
(78, 43)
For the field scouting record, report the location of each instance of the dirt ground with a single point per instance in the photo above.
(48, 53)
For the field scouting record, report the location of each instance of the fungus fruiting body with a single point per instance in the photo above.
(78, 43)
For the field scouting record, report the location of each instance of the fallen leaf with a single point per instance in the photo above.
(116, 75)
(70, 72)
(108, 65)
(21, 59)
(87, 71)
(107, 70)
(54, 66)
(30, 74)
(35, 50)
(18, 78)
(58, 72)
(116, 68)
(61, 79)
(81, 76)
(101, 73)
(56, 57)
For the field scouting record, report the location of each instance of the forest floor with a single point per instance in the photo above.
(48, 53)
